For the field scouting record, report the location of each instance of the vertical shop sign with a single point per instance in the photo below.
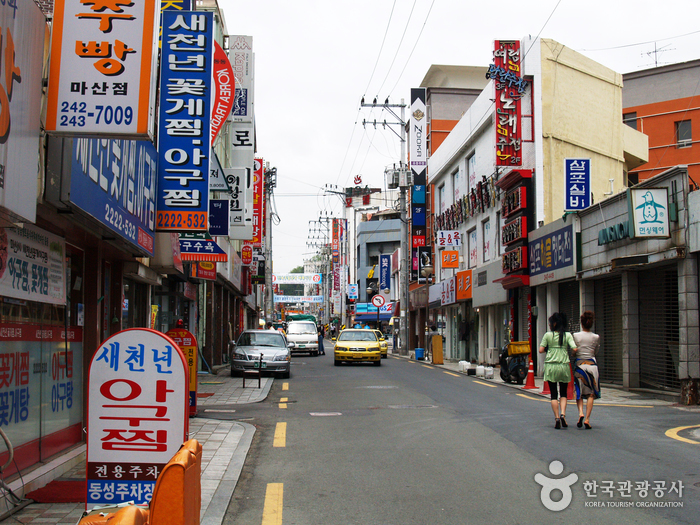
(577, 184)
(418, 164)
(258, 196)
(385, 272)
(137, 414)
(224, 91)
(102, 75)
(241, 57)
(185, 121)
(510, 88)
(188, 346)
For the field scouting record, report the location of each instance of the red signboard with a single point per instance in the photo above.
(223, 90)
(247, 254)
(258, 219)
(188, 345)
(515, 260)
(514, 201)
(514, 231)
(510, 88)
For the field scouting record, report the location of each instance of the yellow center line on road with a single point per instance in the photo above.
(272, 511)
(426, 366)
(533, 398)
(284, 399)
(280, 439)
(484, 384)
(285, 386)
(452, 374)
(283, 405)
(673, 434)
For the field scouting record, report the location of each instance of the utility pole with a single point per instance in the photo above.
(404, 183)
(270, 184)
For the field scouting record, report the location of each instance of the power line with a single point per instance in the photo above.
(640, 43)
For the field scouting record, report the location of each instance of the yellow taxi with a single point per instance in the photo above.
(383, 344)
(357, 345)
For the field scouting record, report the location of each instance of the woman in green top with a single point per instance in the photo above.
(557, 368)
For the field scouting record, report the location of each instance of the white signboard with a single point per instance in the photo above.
(449, 238)
(297, 278)
(352, 291)
(102, 77)
(240, 55)
(240, 181)
(32, 265)
(23, 25)
(648, 210)
(298, 298)
(137, 414)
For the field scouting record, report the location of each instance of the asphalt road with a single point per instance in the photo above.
(407, 443)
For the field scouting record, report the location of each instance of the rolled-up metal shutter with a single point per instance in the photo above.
(570, 305)
(608, 324)
(659, 328)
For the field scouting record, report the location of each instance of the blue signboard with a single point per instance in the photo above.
(115, 182)
(218, 217)
(385, 272)
(577, 187)
(184, 122)
(552, 252)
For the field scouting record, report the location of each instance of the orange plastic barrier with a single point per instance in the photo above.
(177, 496)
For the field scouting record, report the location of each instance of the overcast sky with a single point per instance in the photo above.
(315, 60)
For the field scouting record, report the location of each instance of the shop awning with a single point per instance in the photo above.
(513, 281)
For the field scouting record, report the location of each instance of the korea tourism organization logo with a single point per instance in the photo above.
(558, 491)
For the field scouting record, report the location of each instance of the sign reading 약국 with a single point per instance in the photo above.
(137, 414)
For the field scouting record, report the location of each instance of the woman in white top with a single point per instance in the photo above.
(586, 368)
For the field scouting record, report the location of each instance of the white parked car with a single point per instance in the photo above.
(270, 344)
(304, 335)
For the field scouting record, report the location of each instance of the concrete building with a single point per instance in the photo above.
(570, 109)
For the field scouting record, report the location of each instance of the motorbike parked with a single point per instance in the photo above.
(513, 361)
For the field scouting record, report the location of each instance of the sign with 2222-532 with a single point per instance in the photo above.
(184, 136)
(102, 74)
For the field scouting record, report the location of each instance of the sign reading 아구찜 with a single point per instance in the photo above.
(137, 414)
(102, 74)
(184, 138)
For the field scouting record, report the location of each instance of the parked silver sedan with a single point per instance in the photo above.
(272, 345)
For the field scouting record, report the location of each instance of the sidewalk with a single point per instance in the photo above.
(225, 445)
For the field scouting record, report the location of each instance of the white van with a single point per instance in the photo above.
(304, 335)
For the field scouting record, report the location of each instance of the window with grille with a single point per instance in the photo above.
(684, 136)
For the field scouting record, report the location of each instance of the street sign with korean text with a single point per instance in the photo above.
(102, 79)
(577, 184)
(137, 414)
(184, 138)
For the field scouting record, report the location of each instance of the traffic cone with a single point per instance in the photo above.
(545, 389)
(530, 381)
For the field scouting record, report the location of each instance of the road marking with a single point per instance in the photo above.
(285, 386)
(673, 434)
(484, 384)
(412, 362)
(283, 405)
(284, 399)
(272, 512)
(228, 410)
(452, 374)
(426, 366)
(533, 398)
(280, 439)
(325, 414)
